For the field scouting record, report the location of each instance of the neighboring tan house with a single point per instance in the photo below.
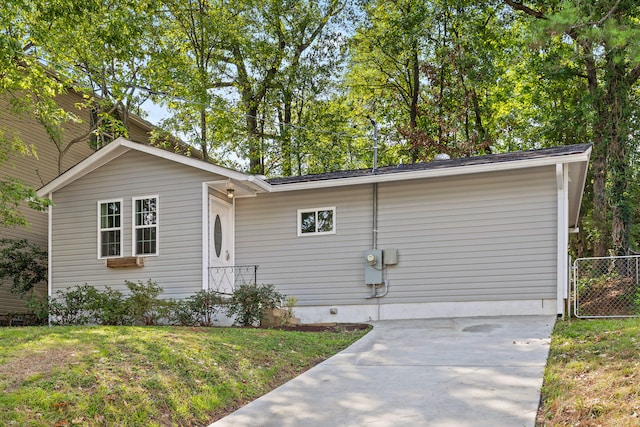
(38, 171)
(464, 237)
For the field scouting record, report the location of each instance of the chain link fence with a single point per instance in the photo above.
(606, 287)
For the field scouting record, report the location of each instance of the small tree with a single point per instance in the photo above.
(23, 263)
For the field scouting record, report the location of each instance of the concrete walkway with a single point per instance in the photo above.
(479, 371)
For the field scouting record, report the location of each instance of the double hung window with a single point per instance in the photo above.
(110, 228)
(145, 226)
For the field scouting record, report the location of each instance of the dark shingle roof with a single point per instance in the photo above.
(441, 164)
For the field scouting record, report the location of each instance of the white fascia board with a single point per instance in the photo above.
(433, 173)
(121, 146)
(91, 163)
(260, 183)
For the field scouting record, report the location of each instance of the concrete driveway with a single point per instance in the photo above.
(478, 371)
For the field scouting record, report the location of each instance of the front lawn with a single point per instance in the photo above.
(151, 376)
(593, 375)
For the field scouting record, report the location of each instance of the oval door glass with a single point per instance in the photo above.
(217, 236)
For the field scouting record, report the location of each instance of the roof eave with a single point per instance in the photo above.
(122, 145)
(434, 173)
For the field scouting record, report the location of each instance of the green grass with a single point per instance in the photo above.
(592, 376)
(151, 376)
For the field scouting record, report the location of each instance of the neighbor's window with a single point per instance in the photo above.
(145, 225)
(316, 221)
(110, 228)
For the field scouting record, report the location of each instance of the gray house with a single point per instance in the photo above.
(463, 237)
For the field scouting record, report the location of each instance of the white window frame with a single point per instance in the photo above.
(315, 211)
(135, 227)
(120, 229)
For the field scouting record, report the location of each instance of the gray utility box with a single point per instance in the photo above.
(373, 266)
(390, 256)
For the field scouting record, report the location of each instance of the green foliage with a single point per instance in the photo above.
(75, 306)
(199, 309)
(85, 304)
(143, 301)
(23, 263)
(249, 302)
(181, 313)
(39, 306)
(13, 194)
(111, 307)
(205, 305)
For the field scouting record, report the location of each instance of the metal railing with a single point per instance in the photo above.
(606, 287)
(224, 280)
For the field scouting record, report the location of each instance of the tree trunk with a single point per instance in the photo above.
(203, 135)
(599, 216)
(619, 116)
(285, 145)
(255, 160)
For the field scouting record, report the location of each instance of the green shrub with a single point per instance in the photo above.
(180, 313)
(143, 301)
(111, 307)
(39, 307)
(249, 302)
(85, 304)
(75, 306)
(205, 305)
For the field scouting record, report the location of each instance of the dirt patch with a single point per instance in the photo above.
(610, 297)
(21, 368)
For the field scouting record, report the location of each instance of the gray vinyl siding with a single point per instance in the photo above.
(34, 171)
(482, 237)
(177, 268)
(39, 170)
(489, 237)
(316, 269)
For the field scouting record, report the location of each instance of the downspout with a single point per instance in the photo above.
(374, 228)
(562, 179)
(374, 209)
(49, 252)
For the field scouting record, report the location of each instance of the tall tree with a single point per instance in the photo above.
(606, 55)
(27, 87)
(99, 47)
(245, 46)
(430, 66)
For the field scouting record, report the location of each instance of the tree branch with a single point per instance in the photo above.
(519, 6)
(634, 75)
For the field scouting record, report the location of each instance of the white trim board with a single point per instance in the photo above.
(373, 312)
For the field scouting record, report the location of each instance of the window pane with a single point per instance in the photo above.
(146, 211)
(110, 243)
(110, 215)
(146, 241)
(307, 222)
(217, 236)
(325, 221)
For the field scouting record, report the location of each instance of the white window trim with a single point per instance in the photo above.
(134, 227)
(100, 229)
(316, 210)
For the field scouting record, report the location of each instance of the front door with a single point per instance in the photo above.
(221, 250)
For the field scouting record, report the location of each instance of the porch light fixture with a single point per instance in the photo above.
(230, 192)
